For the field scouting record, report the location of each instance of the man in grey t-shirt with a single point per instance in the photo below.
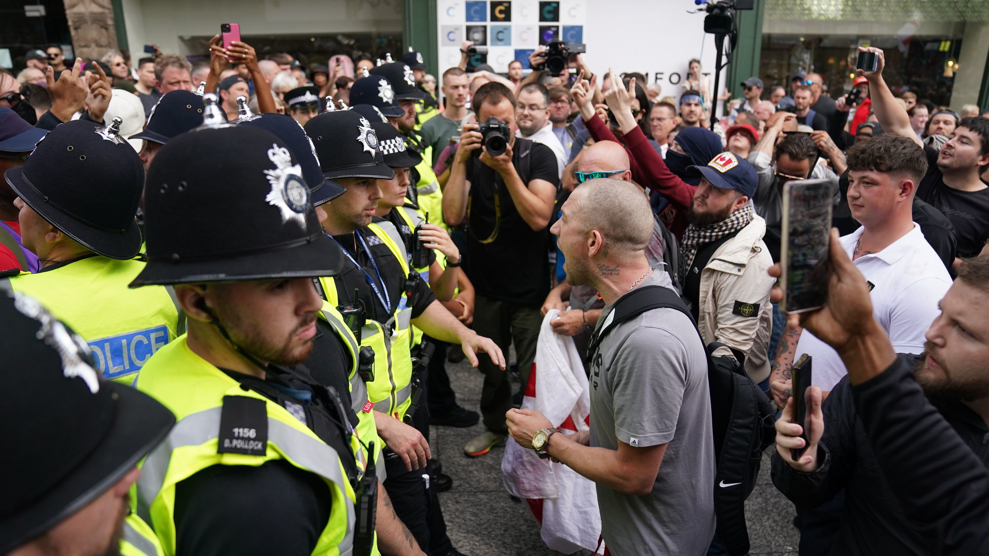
(650, 449)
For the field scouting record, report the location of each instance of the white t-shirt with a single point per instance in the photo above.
(908, 280)
(548, 138)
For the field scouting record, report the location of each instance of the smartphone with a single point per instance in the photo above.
(868, 61)
(149, 49)
(806, 229)
(229, 32)
(346, 64)
(800, 382)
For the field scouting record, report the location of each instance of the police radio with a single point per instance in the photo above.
(420, 256)
(365, 364)
(354, 315)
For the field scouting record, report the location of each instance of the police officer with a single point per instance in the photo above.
(428, 193)
(429, 106)
(331, 366)
(259, 461)
(67, 487)
(303, 103)
(78, 193)
(376, 91)
(175, 112)
(394, 298)
(433, 255)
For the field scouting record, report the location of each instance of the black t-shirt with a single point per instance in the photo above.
(514, 266)
(819, 123)
(968, 211)
(826, 107)
(390, 270)
(216, 509)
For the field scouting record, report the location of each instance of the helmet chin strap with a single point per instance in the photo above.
(215, 321)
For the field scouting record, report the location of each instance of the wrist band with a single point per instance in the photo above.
(450, 264)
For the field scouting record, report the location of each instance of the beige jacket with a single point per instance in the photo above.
(733, 304)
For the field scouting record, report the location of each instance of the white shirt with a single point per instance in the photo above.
(908, 280)
(548, 138)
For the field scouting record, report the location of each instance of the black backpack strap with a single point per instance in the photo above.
(632, 305)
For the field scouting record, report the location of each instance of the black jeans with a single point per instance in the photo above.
(414, 497)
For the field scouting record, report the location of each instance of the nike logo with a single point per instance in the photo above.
(723, 485)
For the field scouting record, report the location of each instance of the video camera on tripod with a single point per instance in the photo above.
(721, 22)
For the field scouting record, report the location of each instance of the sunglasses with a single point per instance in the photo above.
(807, 83)
(783, 178)
(12, 98)
(584, 176)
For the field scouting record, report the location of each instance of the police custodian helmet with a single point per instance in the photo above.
(230, 204)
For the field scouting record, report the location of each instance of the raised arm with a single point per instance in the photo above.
(890, 114)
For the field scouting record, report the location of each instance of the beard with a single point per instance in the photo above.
(702, 219)
(948, 388)
(578, 271)
(256, 339)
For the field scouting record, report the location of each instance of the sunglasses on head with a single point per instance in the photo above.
(807, 83)
(584, 176)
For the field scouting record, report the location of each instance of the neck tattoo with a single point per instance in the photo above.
(641, 278)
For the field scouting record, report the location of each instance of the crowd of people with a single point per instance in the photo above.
(240, 283)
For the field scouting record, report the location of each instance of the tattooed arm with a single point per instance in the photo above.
(779, 378)
(394, 538)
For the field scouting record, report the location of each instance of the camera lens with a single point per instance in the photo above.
(496, 144)
(555, 64)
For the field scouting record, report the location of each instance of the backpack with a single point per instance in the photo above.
(743, 418)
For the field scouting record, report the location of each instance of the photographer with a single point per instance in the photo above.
(857, 99)
(935, 499)
(507, 200)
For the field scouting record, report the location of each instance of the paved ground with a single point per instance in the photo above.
(482, 519)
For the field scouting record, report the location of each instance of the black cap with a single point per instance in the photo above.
(376, 91)
(229, 204)
(89, 434)
(87, 183)
(230, 82)
(413, 59)
(401, 79)
(303, 97)
(36, 55)
(347, 146)
(372, 113)
(391, 143)
(291, 132)
(321, 69)
(175, 112)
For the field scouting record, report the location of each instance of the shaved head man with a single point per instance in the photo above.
(606, 157)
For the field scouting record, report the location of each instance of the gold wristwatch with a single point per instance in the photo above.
(540, 441)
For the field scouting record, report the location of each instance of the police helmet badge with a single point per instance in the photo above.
(71, 348)
(409, 77)
(367, 137)
(385, 91)
(289, 192)
(419, 57)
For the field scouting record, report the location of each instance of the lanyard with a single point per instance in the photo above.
(380, 293)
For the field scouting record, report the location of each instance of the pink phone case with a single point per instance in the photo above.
(231, 36)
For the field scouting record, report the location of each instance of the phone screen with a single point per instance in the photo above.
(800, 382)
(867, 61)
(807, 208)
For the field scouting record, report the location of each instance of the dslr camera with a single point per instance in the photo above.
(557, 54)
(494, 137)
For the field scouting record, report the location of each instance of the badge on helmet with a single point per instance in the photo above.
(289, 192)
